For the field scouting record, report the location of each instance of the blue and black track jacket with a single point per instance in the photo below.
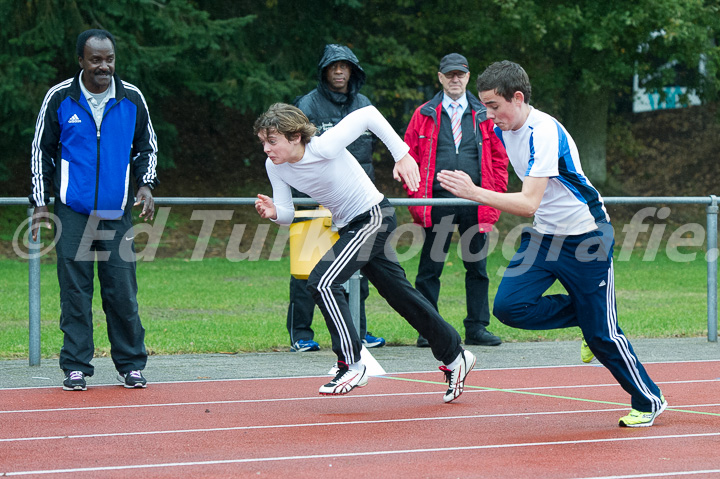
(89, 167)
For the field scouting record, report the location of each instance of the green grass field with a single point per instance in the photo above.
(215, 305)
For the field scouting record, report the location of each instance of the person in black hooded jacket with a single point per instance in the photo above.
(340, 78)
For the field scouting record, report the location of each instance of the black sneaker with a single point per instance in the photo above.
(483, 338)
(133, 379)
(74, 381)
(422, 342)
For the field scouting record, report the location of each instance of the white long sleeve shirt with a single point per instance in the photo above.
(329, 174)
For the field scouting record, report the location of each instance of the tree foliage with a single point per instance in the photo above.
(580, 55)
(166, 48)
(247, 54)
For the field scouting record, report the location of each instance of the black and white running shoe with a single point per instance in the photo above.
(456, 376)
(346, 379)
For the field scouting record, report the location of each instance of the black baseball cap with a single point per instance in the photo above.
(454, 62)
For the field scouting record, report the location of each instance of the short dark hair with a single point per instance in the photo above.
(505, 78)
(92, 33)
(287, 120)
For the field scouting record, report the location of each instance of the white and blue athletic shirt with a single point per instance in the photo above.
(542, 148)
(329, 173)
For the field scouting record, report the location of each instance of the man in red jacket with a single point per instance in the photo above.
(452, 132)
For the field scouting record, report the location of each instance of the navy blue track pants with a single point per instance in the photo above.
(583, 264)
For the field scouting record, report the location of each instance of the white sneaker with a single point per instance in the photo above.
(345, 380)
(456, 376)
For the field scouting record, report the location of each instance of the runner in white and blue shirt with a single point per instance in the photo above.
(543, 148)
(571, 240)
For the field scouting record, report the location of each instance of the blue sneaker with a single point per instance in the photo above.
(302, 345)
(371, 341)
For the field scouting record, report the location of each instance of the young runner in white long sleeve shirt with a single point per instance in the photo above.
(322, 168)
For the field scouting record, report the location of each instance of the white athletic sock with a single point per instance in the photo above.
(455, 363)
(356, 366)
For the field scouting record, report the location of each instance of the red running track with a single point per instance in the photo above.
(555, 422)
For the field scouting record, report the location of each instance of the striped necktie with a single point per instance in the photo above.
(455, 122)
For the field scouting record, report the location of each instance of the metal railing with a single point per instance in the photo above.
(711, 210)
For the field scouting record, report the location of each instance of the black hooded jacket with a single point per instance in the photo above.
(325, 108)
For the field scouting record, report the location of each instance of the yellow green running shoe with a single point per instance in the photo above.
(642, 419)
(586, 355)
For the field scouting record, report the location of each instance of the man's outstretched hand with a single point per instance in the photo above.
(407, 170)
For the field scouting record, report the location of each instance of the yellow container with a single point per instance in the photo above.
(311, 235)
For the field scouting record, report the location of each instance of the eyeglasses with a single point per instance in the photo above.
(451, 75)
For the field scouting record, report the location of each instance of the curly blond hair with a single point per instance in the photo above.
(288, 120)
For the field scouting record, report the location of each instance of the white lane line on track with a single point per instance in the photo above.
(302, 425)
(357, 454)
(469, 390)
(389, 373)
(324, 398)
(655, 474)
